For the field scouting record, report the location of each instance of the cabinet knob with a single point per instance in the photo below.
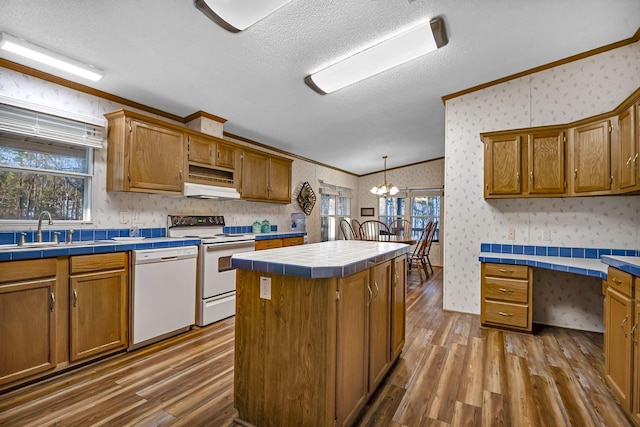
(503, 314)
(502, 270)
(616, 280)
(505, 290)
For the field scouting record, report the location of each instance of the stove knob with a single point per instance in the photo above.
(181, 220)
(211, 220)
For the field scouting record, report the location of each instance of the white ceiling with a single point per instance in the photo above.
(168, 55)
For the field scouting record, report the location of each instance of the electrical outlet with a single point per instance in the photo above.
(265, 288)
(511, 234)
(136, 217)
(124, 217)
(545, 234)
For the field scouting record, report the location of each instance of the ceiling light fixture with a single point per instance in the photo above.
(386, 188)
(396, 50)
(11, 46)
(238, 15)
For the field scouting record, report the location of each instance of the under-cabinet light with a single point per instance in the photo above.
(24, 49)
(396, 50)
(238, 15)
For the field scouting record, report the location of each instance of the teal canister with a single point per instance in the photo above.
(266, 227)
(256, 227)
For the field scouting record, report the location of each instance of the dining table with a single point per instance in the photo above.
(398, 239)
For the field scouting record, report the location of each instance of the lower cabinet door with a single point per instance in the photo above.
(27, 324)
(617, 351)
(379, 323)
(99, 313)
(352, 346)
(398, 305)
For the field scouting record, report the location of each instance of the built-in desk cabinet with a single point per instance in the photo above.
(506, 296)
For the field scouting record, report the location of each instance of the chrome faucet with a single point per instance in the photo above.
(43, 213)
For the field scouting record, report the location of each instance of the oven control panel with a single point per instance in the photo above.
(195, 220)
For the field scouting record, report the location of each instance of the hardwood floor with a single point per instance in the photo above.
(451, 372)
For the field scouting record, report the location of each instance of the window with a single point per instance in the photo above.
(46, 163)
(335, 204)
(417, 206)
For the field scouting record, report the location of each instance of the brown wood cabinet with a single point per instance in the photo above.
(527, 162)
(327, 338)
(398, 306)
(636, 358)
(627, 149)
(278, 243)
(619, 317)
(265, 177)
(591, 158)
(99, 304)
(28, 311)
(143, 155)
(506, 296)
(210, 161)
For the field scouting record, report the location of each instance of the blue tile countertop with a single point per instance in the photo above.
(586, 261)
(94, 248)
(338, 258)
(630, 264)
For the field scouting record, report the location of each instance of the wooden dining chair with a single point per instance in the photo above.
(400, 227)
(430, 238)
(355, 226)
(347, 231)
(419, 253)
(374, 230)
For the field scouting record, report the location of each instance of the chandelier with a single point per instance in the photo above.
(386, 188)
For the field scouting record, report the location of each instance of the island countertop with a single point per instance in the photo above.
(338, 258)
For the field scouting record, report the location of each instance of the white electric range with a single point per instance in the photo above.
(216, 293)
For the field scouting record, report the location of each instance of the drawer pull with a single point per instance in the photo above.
(502, 270)
(502, 313)
(622, 326)
(505, 290)
(618, 281)
(633, 333)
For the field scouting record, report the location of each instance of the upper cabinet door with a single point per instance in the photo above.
(627, 149)
(280, 180)
(592, 157)
(503, 165)
(225, 156)
(255, 175)
(156, 157)
(546, 162)
(201, 150)
(636, 160)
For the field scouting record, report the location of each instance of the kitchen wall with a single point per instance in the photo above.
(154, 208)
(563, 94)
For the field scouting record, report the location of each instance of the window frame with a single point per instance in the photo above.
(408, 213)
(335, 192)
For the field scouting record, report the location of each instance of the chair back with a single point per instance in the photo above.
(347, 231)
(431, 236)
(422, 245)
(400, 227)
(355, 227)
(374, 230)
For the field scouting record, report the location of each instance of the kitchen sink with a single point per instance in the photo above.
(44, 245)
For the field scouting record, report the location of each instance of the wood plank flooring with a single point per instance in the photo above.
(451, 373)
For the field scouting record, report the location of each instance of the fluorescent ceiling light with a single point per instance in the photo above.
(14, 45)
(238, 15)
(396, 50)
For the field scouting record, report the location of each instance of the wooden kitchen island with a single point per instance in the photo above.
(317, 328)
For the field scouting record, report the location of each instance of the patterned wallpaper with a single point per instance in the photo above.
(563, 94)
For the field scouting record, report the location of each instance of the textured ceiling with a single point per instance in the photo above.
(170, 56)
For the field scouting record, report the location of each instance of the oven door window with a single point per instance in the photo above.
(224, 263)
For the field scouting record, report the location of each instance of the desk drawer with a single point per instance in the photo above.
(497, 288)
(620, 281)
(506, 314)
(506, 270)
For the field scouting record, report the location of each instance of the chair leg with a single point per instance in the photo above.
(429, 261)
(424, 267)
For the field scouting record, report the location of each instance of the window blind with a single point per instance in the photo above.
(21, 121)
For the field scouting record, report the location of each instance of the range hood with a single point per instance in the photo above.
(201, 191)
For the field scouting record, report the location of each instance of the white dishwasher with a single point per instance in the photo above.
(163, 293)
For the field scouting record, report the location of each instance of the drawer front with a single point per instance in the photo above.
(497, 288)
(507, 314)
(98, 262)
(17, 271)
(620, 281)
(268, 244)
(506, 270)
(292, 241)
